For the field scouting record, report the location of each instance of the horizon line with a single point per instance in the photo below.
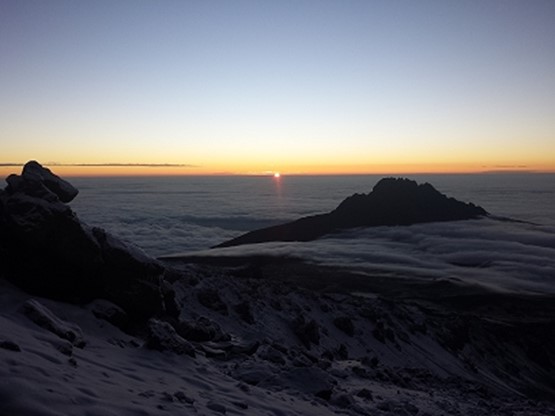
(107, 165)
(181, 169)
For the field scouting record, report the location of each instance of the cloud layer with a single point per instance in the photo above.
(500, 255)
(173, 215)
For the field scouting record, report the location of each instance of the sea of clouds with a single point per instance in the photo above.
(500, 255)
(166, 216)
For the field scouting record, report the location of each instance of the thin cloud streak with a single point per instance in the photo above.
(98, 165)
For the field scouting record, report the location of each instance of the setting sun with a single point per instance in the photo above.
(277, 175)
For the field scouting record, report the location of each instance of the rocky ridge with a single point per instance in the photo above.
(393, 201)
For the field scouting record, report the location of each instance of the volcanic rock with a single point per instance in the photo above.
(110, 312)
(46, 250)
(345, 324)
(201, 330)
(393, 201)
(210, 298)
(43, 317)
(163, 337)
(36, 180)
(307, 332)
(10, 346)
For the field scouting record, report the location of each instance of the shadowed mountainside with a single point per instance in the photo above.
(393, 201)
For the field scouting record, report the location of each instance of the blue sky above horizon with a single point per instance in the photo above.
(252, 86)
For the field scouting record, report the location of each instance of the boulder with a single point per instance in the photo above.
(163, 337)
(210, 298)
(46, 250)
(45, 318)
(10, 345)
(309, 380)
(393, 201)
(201, 330)
(244, 311)
(109, 312)
(36, 180)
(345, 324)
(307, 332)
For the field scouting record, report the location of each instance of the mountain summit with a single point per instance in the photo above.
(393, 201)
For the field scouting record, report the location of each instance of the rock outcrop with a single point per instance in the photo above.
(392, 202)
(46, 250)
(40, 182)
(46, 319)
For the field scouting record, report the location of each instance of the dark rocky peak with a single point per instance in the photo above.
(392, 191)
(393, 201)
(400, 201)
(39, 182)
(397, 185)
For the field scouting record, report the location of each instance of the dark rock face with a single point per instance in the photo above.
(391, 202)
(10, 346)
(163, 337)
(307, 332)
(201, 330)
(402, 202)
(44, 318)
(36, 180)
(210, 298)
(111, 313)
(46, 250)
(345, 324)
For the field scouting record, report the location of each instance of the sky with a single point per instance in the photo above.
(250, 87)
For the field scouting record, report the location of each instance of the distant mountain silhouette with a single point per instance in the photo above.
(393, 201)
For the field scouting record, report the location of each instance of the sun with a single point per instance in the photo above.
(277, 175)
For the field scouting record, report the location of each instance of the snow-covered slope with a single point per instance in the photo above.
(269, 348)
(246, 335)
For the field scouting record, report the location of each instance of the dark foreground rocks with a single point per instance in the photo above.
(46, 250)
(391, 202)
(43, 317)
(380, 352)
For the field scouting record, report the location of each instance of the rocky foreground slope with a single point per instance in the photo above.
(113, 332)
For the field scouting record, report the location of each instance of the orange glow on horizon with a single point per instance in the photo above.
(370, 169)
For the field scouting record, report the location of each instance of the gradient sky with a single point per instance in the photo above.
(291, 86)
